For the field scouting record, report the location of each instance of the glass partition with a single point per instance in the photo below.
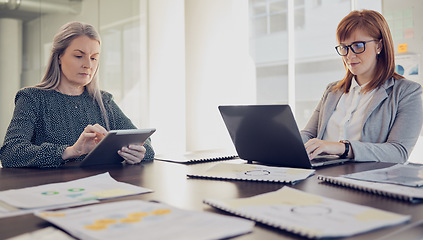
(316, 62)
(122, 26)
(269, 49)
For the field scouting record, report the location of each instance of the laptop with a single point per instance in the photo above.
(269, 134)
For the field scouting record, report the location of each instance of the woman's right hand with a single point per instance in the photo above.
(316, 147)
(86, 142)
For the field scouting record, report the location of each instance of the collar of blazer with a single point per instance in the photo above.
(332, 99)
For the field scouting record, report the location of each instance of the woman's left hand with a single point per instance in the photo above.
(133, 154)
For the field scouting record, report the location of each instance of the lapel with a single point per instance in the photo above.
(333, 99)
(379, 95)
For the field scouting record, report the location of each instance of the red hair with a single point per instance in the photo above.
(374, 24)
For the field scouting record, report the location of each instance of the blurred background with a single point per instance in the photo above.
(171, 63)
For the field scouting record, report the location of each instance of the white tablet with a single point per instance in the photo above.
(106, 150)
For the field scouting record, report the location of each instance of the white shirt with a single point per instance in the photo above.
(346, 122)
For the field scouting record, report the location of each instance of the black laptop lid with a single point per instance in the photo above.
(265, 133)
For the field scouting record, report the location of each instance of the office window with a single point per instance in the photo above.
(277, 16)
(316, 62)
(271, 16)
(123, 67)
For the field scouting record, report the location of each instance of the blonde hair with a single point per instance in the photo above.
(61, 41)
(374, 24)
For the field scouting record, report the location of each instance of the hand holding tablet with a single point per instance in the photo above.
(106, 151)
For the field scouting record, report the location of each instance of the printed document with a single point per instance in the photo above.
(82, 191)
(309, 215)
(137, 219)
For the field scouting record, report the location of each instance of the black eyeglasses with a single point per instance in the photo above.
(356, 47)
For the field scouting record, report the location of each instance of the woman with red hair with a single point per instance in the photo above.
(373, 113)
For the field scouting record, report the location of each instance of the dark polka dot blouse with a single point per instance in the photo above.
(46, 122)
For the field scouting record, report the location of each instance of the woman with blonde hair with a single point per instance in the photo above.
(62, 119)
(373, 113)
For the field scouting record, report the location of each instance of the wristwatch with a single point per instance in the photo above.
(347, 148)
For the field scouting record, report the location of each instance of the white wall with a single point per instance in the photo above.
(198, 59)
(166, 64)
(219, 68)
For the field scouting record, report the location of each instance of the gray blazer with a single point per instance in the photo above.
(392, 123)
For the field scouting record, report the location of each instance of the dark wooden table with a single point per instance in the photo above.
(171, 186)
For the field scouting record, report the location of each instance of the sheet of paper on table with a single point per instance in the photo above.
(57, 195)
(137, 219)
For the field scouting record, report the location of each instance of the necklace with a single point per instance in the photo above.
(67, 97)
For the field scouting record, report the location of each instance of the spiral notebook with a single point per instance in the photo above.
(253, 172)
(308, 215)
(405, 193)
(198, 156)
(401, 174)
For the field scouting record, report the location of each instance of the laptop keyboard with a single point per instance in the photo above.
(324, 158)
(319, 160)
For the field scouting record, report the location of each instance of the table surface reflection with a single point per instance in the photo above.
(171, 186)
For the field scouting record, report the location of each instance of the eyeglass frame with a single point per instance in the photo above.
(349, 46)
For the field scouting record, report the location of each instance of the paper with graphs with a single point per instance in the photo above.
(63, 194)
(137, 219)
(307, 214)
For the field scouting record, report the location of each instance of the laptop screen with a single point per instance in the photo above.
(265, 133)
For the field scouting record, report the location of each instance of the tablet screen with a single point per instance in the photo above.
(106, 150)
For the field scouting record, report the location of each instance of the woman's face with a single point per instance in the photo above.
(79, 62)
(363, 65)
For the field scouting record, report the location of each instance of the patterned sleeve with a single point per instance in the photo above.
(18, 150)
(118, 120)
